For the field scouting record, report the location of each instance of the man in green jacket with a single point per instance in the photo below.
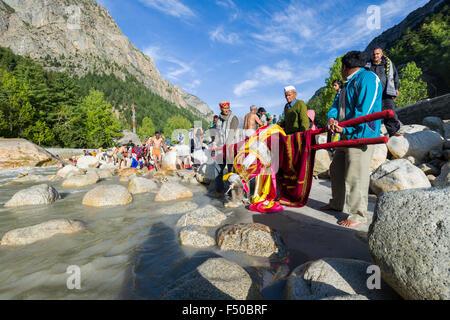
(295, 113)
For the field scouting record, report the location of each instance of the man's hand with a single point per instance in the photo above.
(337, 129)
(331, 123)
(396, 91)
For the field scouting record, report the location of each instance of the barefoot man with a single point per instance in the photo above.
(250, 121)
(350, 168)
(157, 141)
(119, 155)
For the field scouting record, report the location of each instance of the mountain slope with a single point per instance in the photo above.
(78, 36)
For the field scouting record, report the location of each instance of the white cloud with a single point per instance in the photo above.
(219, 35)
(152, 52)
(229, 4)
(282, 74)
(171, 7)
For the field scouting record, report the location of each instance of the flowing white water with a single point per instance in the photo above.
(129, 252)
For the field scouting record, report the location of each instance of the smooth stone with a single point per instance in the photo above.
(331, 277)
(379, 157)
(107, 195)
(81, 180)
(207, 172)
(215, 279)
(208, 216)
(86, 162)
(173, 191)
(434, 123)
(36, 195)
(255, 239)
(22, 153)
(417, 145)
(128, 172)
(179, 208)
(138, 185)
(322, 162)
(409, 239)
(397, 174)
(196, 236)
(45, 230)
(68, 170)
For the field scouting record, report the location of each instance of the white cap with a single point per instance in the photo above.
(290, 88)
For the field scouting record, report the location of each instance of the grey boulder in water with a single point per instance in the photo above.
(36, 195)
(45, 230)
(108, 195)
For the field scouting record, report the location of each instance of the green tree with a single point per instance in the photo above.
(40, 133)
(101, 125)
(412, 87)
(16, 110)
(147, 129)
(175, 123)
(323, 101)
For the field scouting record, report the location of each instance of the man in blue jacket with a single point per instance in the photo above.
(350, 168)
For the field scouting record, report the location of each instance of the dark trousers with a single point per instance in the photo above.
(392, 124)
(220, 185)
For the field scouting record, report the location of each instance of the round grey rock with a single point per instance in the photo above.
(36, 195)
(196, 236)
(207, 216)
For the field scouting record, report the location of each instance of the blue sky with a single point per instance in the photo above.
(246, 52)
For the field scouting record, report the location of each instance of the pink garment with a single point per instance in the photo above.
(311, 116)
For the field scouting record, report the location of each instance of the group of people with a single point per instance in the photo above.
(367, 88)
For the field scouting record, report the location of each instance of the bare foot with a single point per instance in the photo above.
(349, 223)
(399, 134)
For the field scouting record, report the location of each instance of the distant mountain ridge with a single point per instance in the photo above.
(80, 36)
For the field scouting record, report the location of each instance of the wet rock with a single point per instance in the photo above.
(207, 172)
(70, 170)
(186, 174)
(347, 297)
(379, 157)
(215, 279)
(255, 239)
(417, 145)
(444, 178)
(322, 163)
(207, 216)
(173, 191)
(107, 195)
(36, 195)
(142, 185)
(334, 277)
(179, 208)
(81, 180)
(102, 173)
(45, 230)
(409, 239)
(22, 153)
(397, 174)
(86, 162)
(196, 236)
(128, 172)
(413, 128)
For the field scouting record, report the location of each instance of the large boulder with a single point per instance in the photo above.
(22, 153)
(417, 145)
(329, 278)
(45, 230)
(207, 172)
(397, 174)
(142, 185)
(215, 279)
(86, 162)
(322, 162)
(379, 157)
(207, 216)
(107, 195)
(81, 180)
(409, 239)
(127, 136)
(36, 195)
(434, 123)
(173, 191)
(196, 237)
(169, 161)
(70, 170)
(255, 239)
(412, 128)
(444, 178)
(128, 172)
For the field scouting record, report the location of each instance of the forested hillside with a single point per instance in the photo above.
(54, 109)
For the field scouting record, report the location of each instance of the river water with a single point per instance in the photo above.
(129, 252)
